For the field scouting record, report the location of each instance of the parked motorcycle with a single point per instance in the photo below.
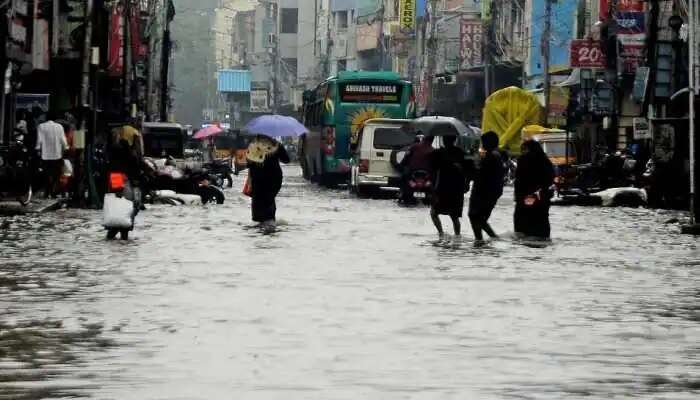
(15, 171)
(200, 183)
(221, 172)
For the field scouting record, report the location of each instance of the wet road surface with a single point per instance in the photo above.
(351, 299)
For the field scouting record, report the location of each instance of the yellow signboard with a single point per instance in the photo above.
(407, 15)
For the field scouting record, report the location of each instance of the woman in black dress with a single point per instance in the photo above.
(534, 178)
(451, 173)
(266, 182)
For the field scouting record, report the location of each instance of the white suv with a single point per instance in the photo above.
(372, 167)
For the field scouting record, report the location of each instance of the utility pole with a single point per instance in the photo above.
(169, 13)
(432, 53)
(276, 58)
(329, 25)
(546, 40)
(152, 24)
(126, 88)
(692, 87)
(382, 49)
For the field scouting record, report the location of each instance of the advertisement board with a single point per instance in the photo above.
(587, 54)
(258, 100)
(471, 37)
(407, 16)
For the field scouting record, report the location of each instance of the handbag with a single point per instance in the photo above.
(248, 187)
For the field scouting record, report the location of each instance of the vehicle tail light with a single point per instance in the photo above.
(117, 181)
(329, 141)
(364, 166)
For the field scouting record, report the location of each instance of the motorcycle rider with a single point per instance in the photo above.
(417, 159)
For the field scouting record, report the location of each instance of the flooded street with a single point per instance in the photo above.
(351, 299)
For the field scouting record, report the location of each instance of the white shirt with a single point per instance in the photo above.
(51, 140)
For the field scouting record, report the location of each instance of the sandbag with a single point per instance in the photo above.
(117, 212)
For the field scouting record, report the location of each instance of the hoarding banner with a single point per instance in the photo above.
(641, 129)
(631, 56)
(407, 13)
(367, 37)
(587, 54)
(258, 100)
(631, 22)
(630, 5)
(116, 42)
(471, 36)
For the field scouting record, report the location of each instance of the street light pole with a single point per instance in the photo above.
(546, 39)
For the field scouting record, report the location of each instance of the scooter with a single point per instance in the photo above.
(16, 172)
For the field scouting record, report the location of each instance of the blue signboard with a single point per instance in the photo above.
(420, 8)
(563, 32)
(631, 23)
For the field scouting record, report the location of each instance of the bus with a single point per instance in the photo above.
(334, 113)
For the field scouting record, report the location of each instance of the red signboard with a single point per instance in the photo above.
(622, 6)
(471, 33)
(116, 42)
(631, 56)
(630, 5)
(587, 54)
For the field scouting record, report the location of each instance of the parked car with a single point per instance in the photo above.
(371, 166)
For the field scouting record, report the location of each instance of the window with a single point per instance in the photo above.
(290, 67)
(392, 138)
(342, 65)
(342, 19)
(290, 20)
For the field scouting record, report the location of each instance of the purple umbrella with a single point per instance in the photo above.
(276, 126)
(207, 132)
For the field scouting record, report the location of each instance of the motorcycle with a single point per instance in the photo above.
(221, 172)
(16, 172)
(420, 182)
(200, 182)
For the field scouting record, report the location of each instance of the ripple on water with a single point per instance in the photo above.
(347, 299)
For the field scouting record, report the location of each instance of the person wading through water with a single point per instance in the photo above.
(265, 176)
(451, 172)
(487, 188)
(534, 178)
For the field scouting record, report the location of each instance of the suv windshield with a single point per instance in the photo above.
(392, 138)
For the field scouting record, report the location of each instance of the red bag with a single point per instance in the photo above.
(248, 187)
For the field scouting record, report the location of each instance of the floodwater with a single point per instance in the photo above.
(351, 299)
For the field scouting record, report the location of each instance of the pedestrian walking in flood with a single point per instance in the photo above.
(534, 178)
(265, 178)
(452, 173)
(51, 143)
(487, 188)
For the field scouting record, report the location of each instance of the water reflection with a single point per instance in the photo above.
(348, 299)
